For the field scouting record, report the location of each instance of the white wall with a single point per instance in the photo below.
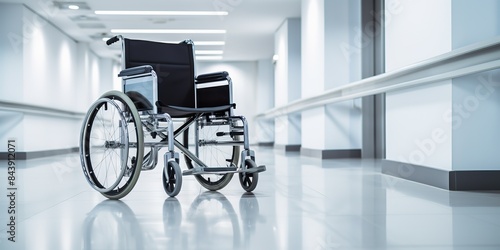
(474, 21)
(476, 98)
(49, 64)
(52, 71)
(416, 127)
(416, 30)
(475, 123)
(11, 63)
(244, 77)
(11, 59)
(450, 125)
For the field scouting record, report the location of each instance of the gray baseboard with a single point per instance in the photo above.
(265, 144)
(39, 154)
(450, 180)
(288, 148)
(475, 180)
(426, 175)
(331, 153)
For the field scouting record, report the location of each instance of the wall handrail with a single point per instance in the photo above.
(39, 110)
(475, 58)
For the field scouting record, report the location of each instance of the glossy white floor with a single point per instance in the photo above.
(300, 203)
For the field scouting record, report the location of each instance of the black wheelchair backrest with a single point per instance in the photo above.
(174, 67)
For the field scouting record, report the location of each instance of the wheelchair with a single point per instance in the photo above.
(123, 131)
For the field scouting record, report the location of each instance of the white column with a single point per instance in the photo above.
(287, 83)
(265, 101)
(330, 29)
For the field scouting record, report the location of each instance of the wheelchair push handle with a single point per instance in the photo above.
(112, 40)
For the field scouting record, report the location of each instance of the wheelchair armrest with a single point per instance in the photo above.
(136, 71)
(212, 77)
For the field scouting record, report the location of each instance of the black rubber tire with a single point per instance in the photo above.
(172, 179)
(249, 181)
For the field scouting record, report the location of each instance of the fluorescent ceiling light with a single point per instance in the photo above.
(209, 43)
(168, 31)
(204, 43)
(162, 13)
(73, 7)
(209, 52)
(208, 58)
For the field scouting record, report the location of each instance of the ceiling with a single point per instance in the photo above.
(249, 25)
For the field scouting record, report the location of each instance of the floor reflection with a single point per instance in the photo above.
(212, 221)
(112, 225)
(209, 222)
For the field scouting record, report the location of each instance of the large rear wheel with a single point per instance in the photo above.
(112, 145)
(208, 140)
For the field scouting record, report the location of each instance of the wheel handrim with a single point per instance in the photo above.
(102, 142)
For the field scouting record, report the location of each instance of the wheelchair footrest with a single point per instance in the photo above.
(223, 170)
(258, 169)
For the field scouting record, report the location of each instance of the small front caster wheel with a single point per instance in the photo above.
(172, 178)
(249, 181)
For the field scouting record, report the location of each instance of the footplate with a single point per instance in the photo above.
(222, 170)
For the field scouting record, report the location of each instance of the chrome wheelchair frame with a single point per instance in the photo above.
(113, 136)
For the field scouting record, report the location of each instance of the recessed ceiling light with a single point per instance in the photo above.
(168, 31)
(71, 5)
(162, 13)
(209, 52)
(92, 25)
(83, 18)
